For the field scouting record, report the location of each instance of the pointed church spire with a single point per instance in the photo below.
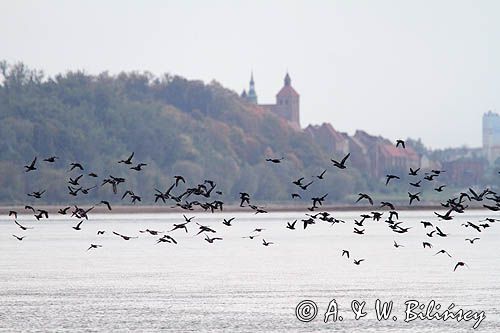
(252, 95)
(288, 81)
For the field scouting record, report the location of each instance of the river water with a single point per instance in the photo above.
(50, 282)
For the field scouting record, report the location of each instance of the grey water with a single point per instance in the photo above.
(50, 282)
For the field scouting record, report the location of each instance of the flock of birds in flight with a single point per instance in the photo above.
(203, 192)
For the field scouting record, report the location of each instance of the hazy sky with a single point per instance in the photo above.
(424, 69)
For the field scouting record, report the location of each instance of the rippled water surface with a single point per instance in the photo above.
(49, 282)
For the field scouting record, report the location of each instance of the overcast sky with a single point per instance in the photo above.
(423, 69)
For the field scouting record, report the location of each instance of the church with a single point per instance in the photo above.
(287, 102)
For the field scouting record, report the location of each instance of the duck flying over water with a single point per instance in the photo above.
(21, 226)
(123, 236)
(359, 231)
(128, 160)
(104, 202)
(179, 179)
(304, 187)
(357, 262)
(228, 222)
(472, 240)
(31, 166)
(93, 246)
(19, 238)
(138, 167)
(180, 226)
(204, 228)
(386, 204)
(266, 243)
(151, 232)
(396, 245)
(389, 177)
(298, 182)
(444, 252)
(426, 224)
(364, 196)
(51, 159)
(427, 244)
(460, 263)
(211, 240)
(77, 227)
(440, 188)
(414, 197)
(341, 165)
(76, 165)
(414, 172)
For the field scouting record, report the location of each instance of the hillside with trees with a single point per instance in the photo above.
(174, 125)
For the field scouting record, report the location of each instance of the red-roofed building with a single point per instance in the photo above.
(287, 102)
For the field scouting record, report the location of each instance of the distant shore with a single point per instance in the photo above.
(273, 208)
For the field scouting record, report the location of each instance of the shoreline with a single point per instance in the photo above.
(130, 209)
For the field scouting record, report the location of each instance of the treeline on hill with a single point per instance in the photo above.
(176, 126)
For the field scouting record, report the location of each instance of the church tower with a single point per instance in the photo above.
(252, 95)
(287, 103)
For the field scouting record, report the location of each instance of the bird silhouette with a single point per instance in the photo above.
(228, 222)
(364, 196)
(426, 244)
(123, 236)
(472, 240)
(13, 213)
(357, 262)
(298, 182)
(21, 226)
(77, 227)
(440, 188)
(63, 211)
(460, 263)
(291, 226)
(128, 160)
(274, 160)
(413, 172)
(93, 246)
(266, 243)
(179, 179)
(211, 240)
(444, 252)
(76, 165)
(426, 224)
(31, 166)
(346, 252)
(396, 245)
(389, 177)
(305, 186)
(104, 202)
(51, 159)
(414, 197)
(400, 143)
(341, 164)
(321, 175)
(19, 238)
(138, 167)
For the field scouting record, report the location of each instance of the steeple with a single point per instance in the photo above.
(252, 95)
(288, 81)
